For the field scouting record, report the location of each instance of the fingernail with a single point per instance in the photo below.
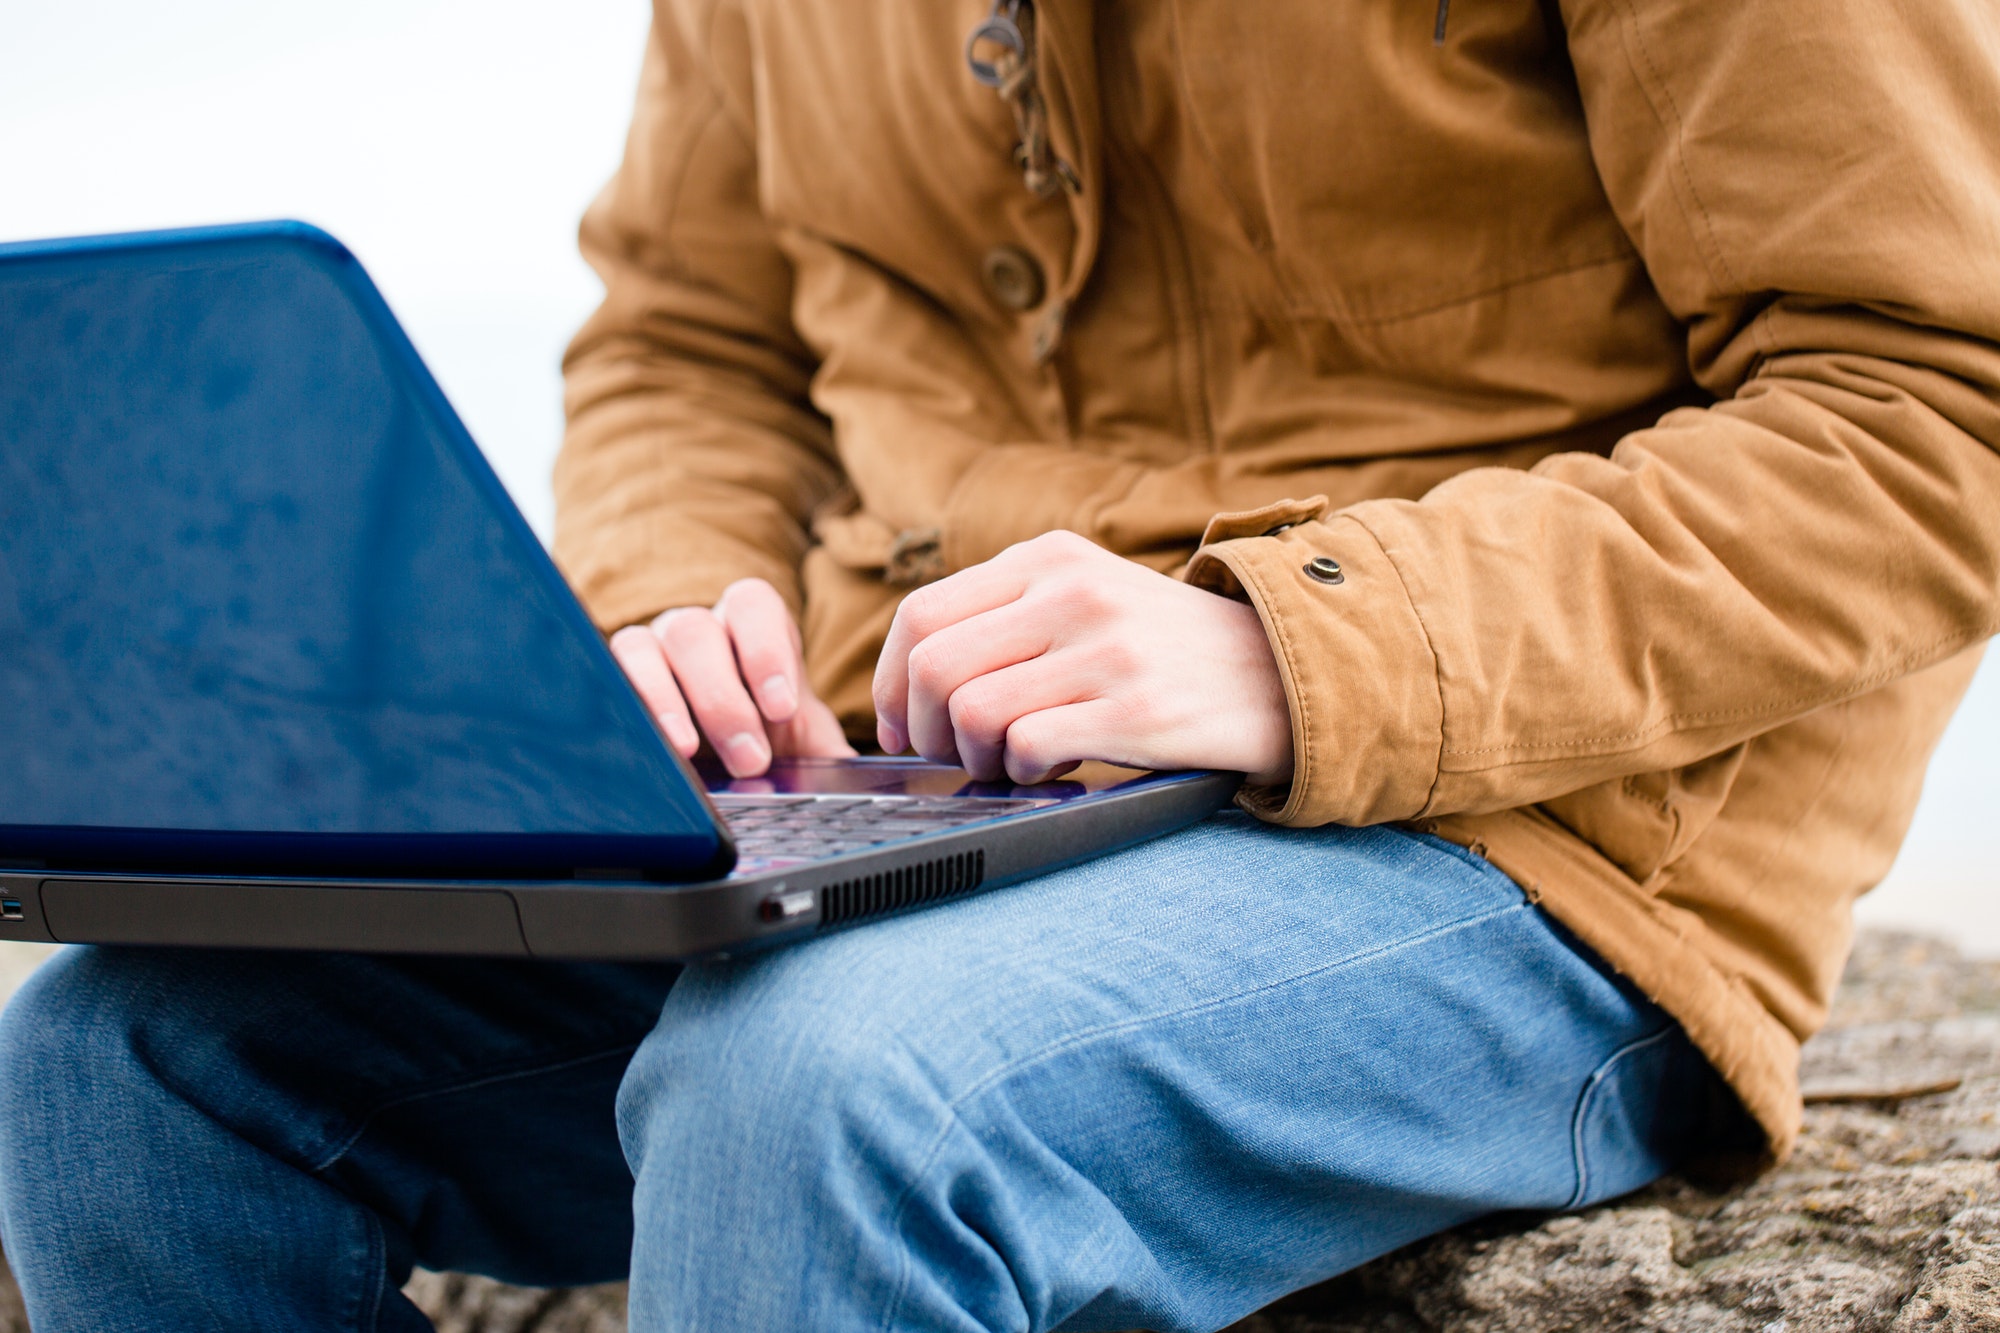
(890, 739)
(780, 699)
(682, 736)
(747, 748)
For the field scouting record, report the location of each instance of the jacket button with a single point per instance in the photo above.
(1323, 569)
(1013, 278)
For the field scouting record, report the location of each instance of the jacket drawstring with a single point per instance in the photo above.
(1012, 73)
(1437, 33)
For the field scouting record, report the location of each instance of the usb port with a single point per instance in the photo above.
(10, 909)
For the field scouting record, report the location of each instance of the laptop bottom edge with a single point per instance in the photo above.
(589, 919)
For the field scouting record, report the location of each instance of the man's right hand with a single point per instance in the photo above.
(734, 673)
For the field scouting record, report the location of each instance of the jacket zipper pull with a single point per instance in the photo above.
(1009, 32)
(1000, 28)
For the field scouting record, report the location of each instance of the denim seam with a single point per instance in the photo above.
(952, 1122)
(375, 1277)
(1587, 1100)
(1126, 1025)
(368, 1118)
(955, 1121)
(903, 1265)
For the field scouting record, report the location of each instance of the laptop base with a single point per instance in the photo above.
(596, 919)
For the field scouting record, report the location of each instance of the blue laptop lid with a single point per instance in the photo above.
(263, 605)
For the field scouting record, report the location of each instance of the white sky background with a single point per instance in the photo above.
(452, 147)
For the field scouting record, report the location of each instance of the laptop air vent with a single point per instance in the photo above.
(888, 890)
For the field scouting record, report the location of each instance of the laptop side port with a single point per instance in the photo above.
(786, 906)
(21, 908)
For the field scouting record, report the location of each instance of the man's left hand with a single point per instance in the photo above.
(1056, 651)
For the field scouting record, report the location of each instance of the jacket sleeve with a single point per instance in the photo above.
(1815, 188)
(692, 456)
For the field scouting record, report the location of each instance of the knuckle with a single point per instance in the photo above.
(760, 655)
(714, 695)
(1028, 750)
(1064, 545)
(684, 626)
(1040, 551)
(1077, 599)
(720, 711)
(930, 666)
(632, 639)
(1116, 659)
(752, 594)
(975, 713)
(918, 612)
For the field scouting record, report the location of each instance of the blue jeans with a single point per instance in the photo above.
(1158, 1090)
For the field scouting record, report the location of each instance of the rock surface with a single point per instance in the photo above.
(1886, 1218)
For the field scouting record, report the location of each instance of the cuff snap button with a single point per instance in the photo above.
(1324, 569)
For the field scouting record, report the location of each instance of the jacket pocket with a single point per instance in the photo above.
(1644, 823)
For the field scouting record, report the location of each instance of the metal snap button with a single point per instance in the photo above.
(1013, 278)
(1324, 569)
(1282, 527)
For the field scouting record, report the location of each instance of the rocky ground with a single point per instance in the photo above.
(1887, 1218)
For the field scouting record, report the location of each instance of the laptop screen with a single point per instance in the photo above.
(264, 606)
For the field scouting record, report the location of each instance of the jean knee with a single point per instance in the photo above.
(772, 1064)
(67, 1071)
(63, 1042)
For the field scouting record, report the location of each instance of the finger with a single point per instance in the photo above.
(1044, 744)
(948, 661)
(813, 731)
(984, 710)
(766, 644)
(645, 664)
(704, 665)
(922, 614)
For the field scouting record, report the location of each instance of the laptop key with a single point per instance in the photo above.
(815, 827)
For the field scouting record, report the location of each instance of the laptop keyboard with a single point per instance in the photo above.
(778, 830)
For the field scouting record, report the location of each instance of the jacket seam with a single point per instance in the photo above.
(1677, 129)
(1260, 239)
(1431, 796)
(715, 88)
(1347, 317)
(1188, 356)
(681, 168)
(1666, 726)
(1662, 803)
(1302, 765)
(1773, 846)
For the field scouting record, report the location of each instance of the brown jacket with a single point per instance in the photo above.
(1646, 354)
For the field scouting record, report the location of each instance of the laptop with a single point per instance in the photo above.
(281, 666)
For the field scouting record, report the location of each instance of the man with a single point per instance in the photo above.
(1548, 447)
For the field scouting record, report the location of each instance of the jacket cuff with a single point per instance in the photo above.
(1360, 676)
